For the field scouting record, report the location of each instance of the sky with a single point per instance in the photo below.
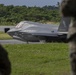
(29, 2)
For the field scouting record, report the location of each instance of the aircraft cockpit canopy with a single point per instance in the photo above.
(25, 25)
(19, 25)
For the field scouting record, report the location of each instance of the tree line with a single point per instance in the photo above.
(11, 14)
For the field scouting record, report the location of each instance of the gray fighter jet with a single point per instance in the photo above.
(32, 31)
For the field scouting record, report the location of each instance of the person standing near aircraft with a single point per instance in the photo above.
(68, 9)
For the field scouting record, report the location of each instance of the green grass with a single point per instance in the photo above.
(4, 36)
(39, 59)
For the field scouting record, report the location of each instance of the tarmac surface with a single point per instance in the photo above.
(11, 42)
(3, 27)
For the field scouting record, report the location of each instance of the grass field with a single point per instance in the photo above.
(39, 59)
(4, 36)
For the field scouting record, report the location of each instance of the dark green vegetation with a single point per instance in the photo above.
(10, 15)
(39, 59)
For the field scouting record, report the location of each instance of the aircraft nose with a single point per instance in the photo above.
(11, 32)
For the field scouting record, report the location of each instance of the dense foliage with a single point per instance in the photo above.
(13, 14)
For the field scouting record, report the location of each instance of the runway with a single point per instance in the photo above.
(17, 42)
(11, 42)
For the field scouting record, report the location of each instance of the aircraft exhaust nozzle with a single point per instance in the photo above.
(6, 29)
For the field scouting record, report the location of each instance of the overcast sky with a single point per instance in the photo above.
(29, 2)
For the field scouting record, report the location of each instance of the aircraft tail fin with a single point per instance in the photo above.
(64, 24)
